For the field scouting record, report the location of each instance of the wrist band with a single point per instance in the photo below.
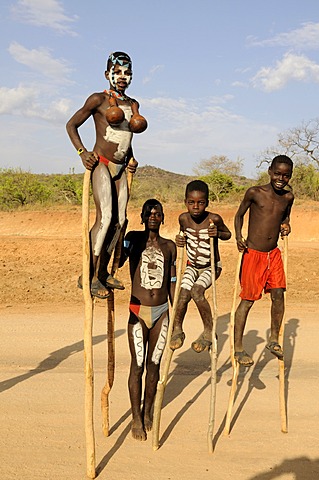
(80, 151)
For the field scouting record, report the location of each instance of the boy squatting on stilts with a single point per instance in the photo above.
(198, 225)
(262, 267)
(108, 162)
(152, 261)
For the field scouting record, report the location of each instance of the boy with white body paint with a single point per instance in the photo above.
(153, 275)
(108, 162)
(198, 226)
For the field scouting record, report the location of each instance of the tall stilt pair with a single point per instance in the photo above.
(235, 364)
(168, 354)
(88, 329)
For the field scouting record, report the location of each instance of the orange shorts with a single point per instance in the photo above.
(261, 270)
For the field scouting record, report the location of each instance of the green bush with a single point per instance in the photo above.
(305, 182)
(19, 188)
(220, 185)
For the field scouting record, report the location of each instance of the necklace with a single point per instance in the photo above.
(114, 93)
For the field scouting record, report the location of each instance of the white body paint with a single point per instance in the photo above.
(198, 247)
(103, 194)
(152, 268)
(138, 343)
(120, 134)
(160, 344)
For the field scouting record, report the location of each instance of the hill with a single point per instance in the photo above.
(168, 187)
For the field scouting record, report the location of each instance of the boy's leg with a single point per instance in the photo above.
(277, 314)
(240, 321)
(178, 336)
(119, 202)
(204, 341)
(156, 345)
(137, 337)
(102, 194)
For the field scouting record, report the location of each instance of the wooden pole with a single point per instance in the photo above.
(213, 354)
(161, 385)
(281, 363)
(88, 326)
(232, 348)
(110, 328)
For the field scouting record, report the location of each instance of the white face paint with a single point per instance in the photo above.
(117, 72)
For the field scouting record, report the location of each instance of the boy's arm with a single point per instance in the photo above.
(239, 219)
(180, 240)
(89, 159)
(285, 228)
(131, 165)
(126, 248)
(172, 282)
(218, 228)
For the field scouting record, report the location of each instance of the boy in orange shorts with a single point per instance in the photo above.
(262, 267)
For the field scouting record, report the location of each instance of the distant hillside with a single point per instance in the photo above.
(166, 186)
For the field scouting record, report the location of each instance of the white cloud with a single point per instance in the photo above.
(183, 131)
(27, 102)
(152, 72)
(306, 37)
(44, 13)
(239, 84)
(41, 61)
(292, 67)
(16, 100)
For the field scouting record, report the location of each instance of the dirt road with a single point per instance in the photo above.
(42, 380)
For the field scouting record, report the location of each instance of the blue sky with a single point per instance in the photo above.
(212, 77)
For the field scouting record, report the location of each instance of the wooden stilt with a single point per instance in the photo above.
(168, 354)
(110, 329)
(213, 354)
(88, 326)
(281, 363)
(232, 348)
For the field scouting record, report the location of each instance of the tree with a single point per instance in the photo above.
(68, 188)
(305, 182)
(21, 188)
(219, 185)
(301, 144)
(219, 163)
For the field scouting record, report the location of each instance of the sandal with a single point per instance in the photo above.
(240, 358)
(177, 340)
(201, 344)
(275, 349)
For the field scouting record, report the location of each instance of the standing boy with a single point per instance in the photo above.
(153, 275)
(108, 161)
(262, 267)
(197, 225)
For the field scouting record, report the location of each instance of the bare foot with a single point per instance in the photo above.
(148, 423)
(203, 342)
(138, 432)
(177, 339)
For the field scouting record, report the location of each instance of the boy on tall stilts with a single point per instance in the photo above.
(116, 118)
(262, 267)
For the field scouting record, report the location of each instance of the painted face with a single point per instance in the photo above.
(152, 216)
(120, 77)
(196, 203)
(280, 174)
